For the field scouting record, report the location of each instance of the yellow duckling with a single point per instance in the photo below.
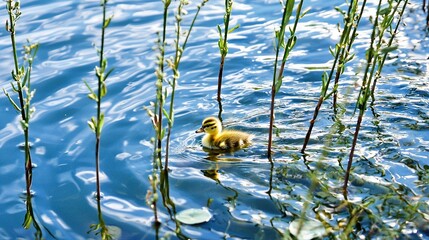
(215, 138)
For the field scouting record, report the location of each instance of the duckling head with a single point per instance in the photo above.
(211, 126)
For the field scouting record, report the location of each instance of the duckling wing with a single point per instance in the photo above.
(232, 140)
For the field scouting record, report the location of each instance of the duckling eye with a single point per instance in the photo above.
(212, 128)
(209, 125)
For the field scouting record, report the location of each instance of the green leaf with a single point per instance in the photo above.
(234, 28)
(338, 9)
(332, 51)
(385, 10)
(162, 133)
(28, 219)
(24, 124)
(325, 80)
(389, 49)
(305, 12)
(101, 123)
(103, 90)
(18, 109)
(279, 83)
(108, 73)
(107, 22)
(289, 9)
(92, 94)
(98, 71)
(220, 32)
(166, 115)
(92, 124)
(14, 88)
(194, 216)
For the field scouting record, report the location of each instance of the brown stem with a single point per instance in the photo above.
(337, 78)
(349, 164)
(97, 166)
(219, 81)
(316, 112)
(270, 131)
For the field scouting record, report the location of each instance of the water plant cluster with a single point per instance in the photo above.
(328, 209)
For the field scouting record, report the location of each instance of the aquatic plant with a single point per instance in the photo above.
(174, 63)
(425, 8)
(342, 55)
(287, 46)
(381, 44)
(21, 84)
(96, 123)
(160, 107)
(156, 117)
(223, 48)
(160, 74)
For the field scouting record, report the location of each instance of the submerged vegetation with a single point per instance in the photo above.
(329, 192)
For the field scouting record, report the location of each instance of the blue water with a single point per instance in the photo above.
(391, 161)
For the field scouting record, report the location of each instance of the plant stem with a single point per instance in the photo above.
(224, 51)
(14, 13)
(374, 61)
(273, 86)
(98, 126)
(277, 78)
(340, 59)
(176, 74)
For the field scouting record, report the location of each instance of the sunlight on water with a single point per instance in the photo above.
(248, 197)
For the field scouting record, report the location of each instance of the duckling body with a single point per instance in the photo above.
(215, 138)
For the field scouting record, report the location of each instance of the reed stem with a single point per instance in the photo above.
(223, 45)
(96, 123)
(277, 78)
(376, 55)
(21, 79)
(341, 57)
(175, 66)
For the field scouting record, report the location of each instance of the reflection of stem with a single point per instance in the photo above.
(168, 203)
(271, 178)
(164, 187)
(100, 228)
(30, 219)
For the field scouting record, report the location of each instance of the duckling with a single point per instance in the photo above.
(215, 138)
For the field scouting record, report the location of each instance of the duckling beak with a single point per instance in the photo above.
(200, 130)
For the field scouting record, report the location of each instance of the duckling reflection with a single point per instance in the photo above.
(216, 156)
(226, 140)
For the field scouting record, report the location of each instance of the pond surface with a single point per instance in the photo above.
(247, 196)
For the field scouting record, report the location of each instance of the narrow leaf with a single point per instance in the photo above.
(100, 123)
(27, 220)
(107, 22)
(108, 73)
(11, 101)
(234, 28)
(289, 9)
(103, 90)
(166, 115)
(389, 49)
(278, 84)
(92, 124)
